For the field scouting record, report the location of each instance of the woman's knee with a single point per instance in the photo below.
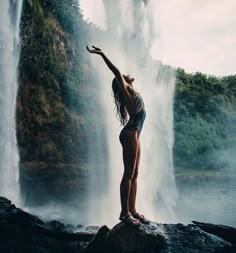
(129, 174)
(135, 175)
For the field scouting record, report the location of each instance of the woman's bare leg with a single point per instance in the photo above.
(133, 191)
(133, 186)
(129, 143)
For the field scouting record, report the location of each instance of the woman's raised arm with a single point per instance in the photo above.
(110, 65)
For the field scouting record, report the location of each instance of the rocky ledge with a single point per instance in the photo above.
(23, 232)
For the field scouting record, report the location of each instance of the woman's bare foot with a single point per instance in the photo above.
(128, 219)
(140, 217)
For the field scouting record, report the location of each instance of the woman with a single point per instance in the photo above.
(128, 102)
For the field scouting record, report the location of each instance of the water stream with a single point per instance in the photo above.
(10, 13)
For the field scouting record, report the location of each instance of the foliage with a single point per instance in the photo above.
(204, 109)
(66, 13)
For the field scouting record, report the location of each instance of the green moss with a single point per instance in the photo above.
(48, 148)
(40, 15)
(43, 102)
(38, 9)
(58, 115)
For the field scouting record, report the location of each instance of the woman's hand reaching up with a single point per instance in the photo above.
(96, 50)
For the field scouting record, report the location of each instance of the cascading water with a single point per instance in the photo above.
(10, 13)
(130, 33)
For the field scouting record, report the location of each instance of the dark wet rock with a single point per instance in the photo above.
(69, 228)
(56, 225)
(123, 238)
(80, 227)
(225, 232)
(23, 232)
(98, 242)
(60, 227)
(165, 238)
(92, 228)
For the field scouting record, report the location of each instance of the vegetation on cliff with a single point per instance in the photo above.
(49, 56)
(204, 119)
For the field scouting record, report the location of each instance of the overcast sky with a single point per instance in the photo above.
(197, 35)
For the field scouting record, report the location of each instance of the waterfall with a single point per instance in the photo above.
(131, 31)
(10, 13)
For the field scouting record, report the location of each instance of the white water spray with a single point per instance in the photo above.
(10, 13)
(130, 51)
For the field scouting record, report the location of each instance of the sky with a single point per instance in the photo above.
(197, 35)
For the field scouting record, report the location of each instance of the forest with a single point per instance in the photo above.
(204, 121)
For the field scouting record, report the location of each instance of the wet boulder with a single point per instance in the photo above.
(165, 238)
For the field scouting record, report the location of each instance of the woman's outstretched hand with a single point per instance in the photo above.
(96, 50)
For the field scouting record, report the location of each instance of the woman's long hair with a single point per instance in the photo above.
(121, 111)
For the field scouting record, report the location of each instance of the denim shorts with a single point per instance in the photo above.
(136, 121)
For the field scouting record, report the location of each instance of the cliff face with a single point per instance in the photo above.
(49, 130)
(47, 54)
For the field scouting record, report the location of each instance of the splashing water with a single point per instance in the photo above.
(131, 32)
(10, 13)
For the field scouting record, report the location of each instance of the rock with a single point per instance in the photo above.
(23, 232)
(92, 228)
(225, 232)
(124, 239)
(56, 225)
(69, 228)
(98, 243)
(80, 228)
(164, 238)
